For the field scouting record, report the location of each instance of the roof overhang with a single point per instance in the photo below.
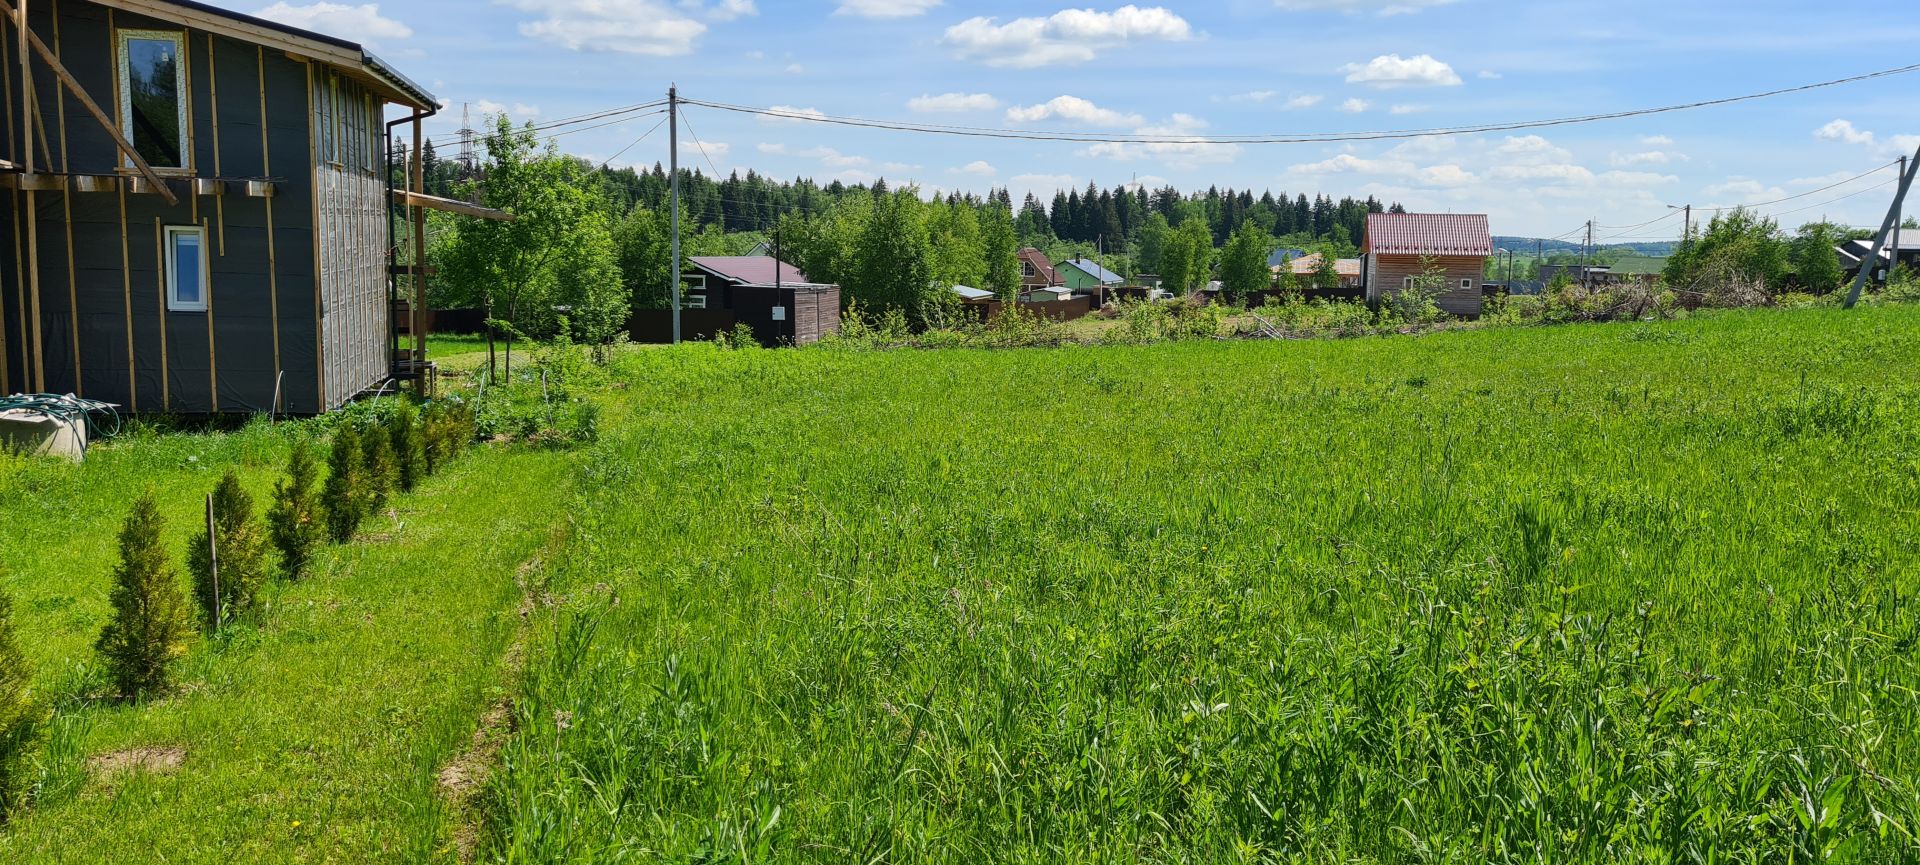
(348, 56)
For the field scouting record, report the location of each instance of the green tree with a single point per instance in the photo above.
(239, 550)
(1186, 259)
(296, 520)
(643, 245)
(1739, 247)
(556, 251)
(1286, 281)
(893, 263)
(148, 627)
(1001, 246)
(1243, 264)
(1152, 244)
(1816, 262)
(959, 251)
(346, 498)
(1326, 270)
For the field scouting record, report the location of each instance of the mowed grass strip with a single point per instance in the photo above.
(1632, 592)
(311, 734)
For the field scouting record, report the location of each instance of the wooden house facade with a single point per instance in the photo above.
(198, 210)
(771, 297)
(1401, 247)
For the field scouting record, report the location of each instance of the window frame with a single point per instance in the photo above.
(172, 252)
(123, 62)
(1466, 284)
(1408, 284)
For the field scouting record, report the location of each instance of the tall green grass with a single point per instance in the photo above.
(1624, 593)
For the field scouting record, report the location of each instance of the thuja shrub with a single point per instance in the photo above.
(382, 469)
(345, 497)
(149, 624)
(409, 448)
(21, 715)
(297, 520)
(448, 430)
(239, 550)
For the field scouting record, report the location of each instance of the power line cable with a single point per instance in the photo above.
(1297, 138)
(636, 143)
(702, 147)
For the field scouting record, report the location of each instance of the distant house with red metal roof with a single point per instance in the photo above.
(776, 300)
(1399, 247)
(1036, 271)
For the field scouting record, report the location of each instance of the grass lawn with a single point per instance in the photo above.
(1611, 593)
(1638, 593)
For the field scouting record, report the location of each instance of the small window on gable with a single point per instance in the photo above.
(1408, 284)
(1466, 285)
(153, 96)
(186, 268)
(1026, 268)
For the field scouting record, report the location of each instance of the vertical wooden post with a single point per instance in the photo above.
(273, 263)
(28, 112)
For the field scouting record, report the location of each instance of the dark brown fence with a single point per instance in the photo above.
(1060, 310)
(456, 321)
(655, 326)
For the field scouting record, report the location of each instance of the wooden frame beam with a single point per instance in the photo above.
(86, 101)
(433, 202)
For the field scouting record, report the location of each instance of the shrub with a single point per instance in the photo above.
(20, 714)
(296, 520)
(149, 624)
(448, 428)
(239, 551)
(382, 467)
(345, 496)
(409, 451)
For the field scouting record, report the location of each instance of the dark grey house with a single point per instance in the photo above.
(198, 209)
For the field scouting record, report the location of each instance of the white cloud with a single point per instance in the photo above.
(1550, 172)
(362, 23)
(1637, 178)
(898, 167)
(1304, 100)
(952, 103)
(1068, 36)
(1744, 189)
(1447, 175)
(1657, 141)
(1392, 70)
(1650, 157)
(728, 10)
(886, 8)
(645, 27)
(1489, 75)
(1822, 180)
(1406, 109)
(790, 114)
(1355, 105)
(1905, 143)
(1177, 153)
(828, 156)
(1072, 108)
(1843, 130)
(1532, 150)
(856, 176)
(517, 111)
(1255, 96)
(978, 168)
(1379, 7)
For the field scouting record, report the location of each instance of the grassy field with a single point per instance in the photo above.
(1637, 593)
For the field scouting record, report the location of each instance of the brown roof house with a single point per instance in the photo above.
(1036, 271)
(776, 300)
(1400, 247)
(1348, 269)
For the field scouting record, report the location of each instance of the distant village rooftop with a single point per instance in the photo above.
(1429, 234)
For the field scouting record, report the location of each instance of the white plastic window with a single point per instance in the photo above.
(186, 269)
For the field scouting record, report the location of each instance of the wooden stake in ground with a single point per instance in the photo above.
(213, 569)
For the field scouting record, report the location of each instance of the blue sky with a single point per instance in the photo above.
(1238, 67)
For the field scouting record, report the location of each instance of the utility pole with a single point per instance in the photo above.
(1586, 258)
(1887, 230)
(1899, 213)
(673, 158)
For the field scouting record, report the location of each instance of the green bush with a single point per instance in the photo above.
(381, 465)
(149, 624)
(21, 715)
(240, 552)
(297, 521)
(346, 500)
(409, 451)
(448, 427)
